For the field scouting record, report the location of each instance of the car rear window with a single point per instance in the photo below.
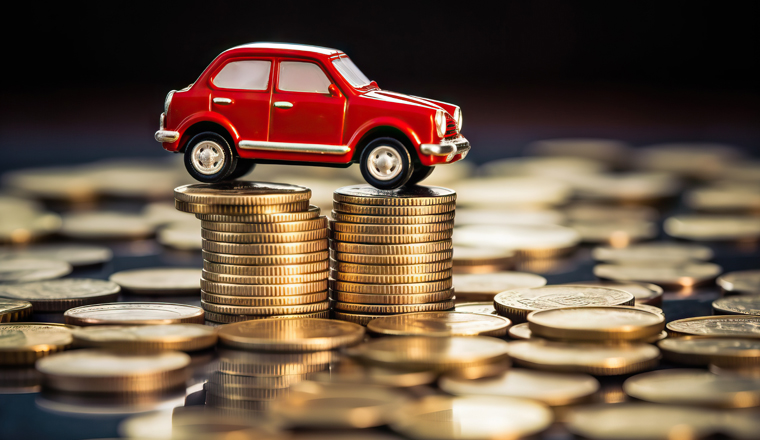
(244, 75)
(297, 76)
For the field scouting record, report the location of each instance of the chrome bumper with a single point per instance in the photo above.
(167, 136)
(447, 148)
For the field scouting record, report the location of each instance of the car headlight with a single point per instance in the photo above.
(440, 122)
(458, 118)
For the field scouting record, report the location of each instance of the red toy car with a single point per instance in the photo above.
(305, 105)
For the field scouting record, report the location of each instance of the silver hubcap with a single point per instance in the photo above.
(384, 163)
(208, 157)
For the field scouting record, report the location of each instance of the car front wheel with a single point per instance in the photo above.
(386, 164)
(209, 158)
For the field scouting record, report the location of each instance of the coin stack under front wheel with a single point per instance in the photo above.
(264, 250)
(391, 251)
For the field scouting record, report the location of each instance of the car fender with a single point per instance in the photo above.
(207, 116)
(381, 122)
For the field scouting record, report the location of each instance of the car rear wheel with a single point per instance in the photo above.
(385, 163)
(209, 158)
(419, 174)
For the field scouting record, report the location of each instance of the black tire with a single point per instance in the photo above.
(220, 150)
(386, 151)
(244, 166)
(419, 174)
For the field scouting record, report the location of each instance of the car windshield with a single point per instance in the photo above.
(350, 72)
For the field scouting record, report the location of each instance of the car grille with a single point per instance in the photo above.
(451, 128)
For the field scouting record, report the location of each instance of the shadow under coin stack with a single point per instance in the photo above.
(391, 251)
(264, 250)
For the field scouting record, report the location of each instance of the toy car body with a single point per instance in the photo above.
(305, 105)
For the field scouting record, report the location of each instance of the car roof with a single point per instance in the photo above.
(289, 46)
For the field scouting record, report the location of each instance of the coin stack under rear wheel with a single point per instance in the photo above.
(265, 250)
(391, 251)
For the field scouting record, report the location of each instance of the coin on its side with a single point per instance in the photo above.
(596, 323)
(266, 310)
(391, 220)
(265, 237)
(273, 261)
(181, 337)
(430, 237)
(390, 279)
(391, 289)
(106, 226)
(304, 247)
(520, 331)
(240, 192)
(159, 281)
(392, 309)
(742, 282)
(405, 298)
(75, 254)
(485, 286)
(268, 271)
(704, 350)
(527, 241)
(134, 313)
(644, 293)
(386, 269)
(713, 227)
(391, 249)
(394, 211)
(737, 326)
(417, 195)
(518, 303)
(291, 335)
(24, 270)
(483, 308)
(222, 318)
(310, 213)
(357, 228)
(22, 343)
(63, 294)
(737, 305)
(14, 309)
(357, 318)
(677, 274)
(202, 208)
(267, 228)
(263, 301)
(441, 324)
(268, 290)
(392, 260)
(264, 280)
(650, 252)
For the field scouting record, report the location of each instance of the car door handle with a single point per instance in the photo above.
(283, 104)
(222, 101)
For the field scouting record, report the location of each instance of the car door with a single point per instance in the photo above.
(303, 109)
(240, 91)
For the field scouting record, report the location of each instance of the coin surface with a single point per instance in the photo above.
(181, 337)
(227, 319)
(394, 211)
(263, 290)
(744, 326)
(63, 294)
(304, 247)
(357, 228)
(74, 254)
(266, 310)
(590, 323)
(240, 192)
(483, 308)
(134, 313)
(517, 304)
(22, 343)
(201, 208)
(643, 293)
(530, 241)
(266, 260)
(391, 249)
(267, 228)
(14, 309)
(159, 281)
(390, 309)
(24, 270)
(291, 335)
(264, 301)
(392, 260)
(553, 389)
(405, 196)
(741, 282)
(93, 370)
(704, 350)
(310, 213)
(472, 417)
(441, 324)
(390, 279)
(391, 220)
(736, 305)
(391, 289)
(520, 331)
(650, 252)
(596, 359)
(713, 227)
(406, 298)
(677, 274)
(485, 286)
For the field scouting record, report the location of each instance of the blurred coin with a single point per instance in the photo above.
(697, 160)
(643, 293)
(736, 305)
(74, 254)
(23, 226)
(61, 295)
(485, 286)
(291, 335)
(93, 370)
(516, 304)
(53, 183)
(106, 225)
(641, 187)
(22, 343)
(392, 309)
(181, 337)
(305, 247)
(724, 198)
(24, 270)
(267, 228)
(405, 298)
(681, 274)
(164, 213)
(665, 252)
(198, 423)
(245, 393)
(585, 211)
(357, 318)
(391, 289)
(268, 237)
(737, 326)
(744, 171)
(222, 318)
(511, 216)
(742, 282)
(240, 210)
(512, 192)
(442, 324)
(596, 359)
(749, 372)
(395, 269)
(390, 279)
(520, 331)
(240, 192)
(392, 220)
(650, 309)
(694, 387)
(180, 235)
(712, 227)
(554, 389)
(472, 417)
(416, 195)
(292, 309)
(133, 178)
(482, 260)
(483, 308)
(366, 210)
(134, 313)
(704, 350)
(159, 281)
(395, 260)
(264, 280)
(263, 290)
(276, 262)
(13, 309)
(536, 241)
(605, 150)
(264, 301)
(596, 323)
(309, 213)
(555, 167)
(618, 234)
(269, 368)
(349, 371)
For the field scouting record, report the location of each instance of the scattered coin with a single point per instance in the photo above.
(527, 241)
(694, 387)
(741, 282)
(13, 309)
(617, 233)
(585, 211)
(407, 196)
(596, 323)
(650, 252)
(650, 309)
(520, 331)
(440, 324)
(52, 183)
(310, 213)
(713, 227)
(482, 260)
(604, 150)
(741, 326)
(724, 198)
(63, 294)
(159, 281)
(239, 192)
(483, 308)
(106, 226)
(134, 313)
(357, 318)
(75, 254)
(677, 274)
(291, 335)
(181, 337)
(22, 343)
(632, 187)
(20, 223)
(527, 216)
(484, 287)
(704, 350)
(180, 235)
(554, 167)
(191, 422)
(697, 160)
(25, 270)
(643, 293)
(512, 192)
(518, 303)
(737, 305)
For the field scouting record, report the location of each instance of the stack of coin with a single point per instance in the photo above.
(391, 251)
(264, 250)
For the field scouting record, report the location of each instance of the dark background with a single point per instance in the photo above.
(85, 81)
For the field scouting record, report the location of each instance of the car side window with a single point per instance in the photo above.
(244, 75)
(296, 76)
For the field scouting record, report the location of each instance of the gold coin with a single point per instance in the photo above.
(736, 305)
(246, 237)
(414, 298)
(553, 389)
(25, 270)
(518, 303)
(267, 228)
(528, 241)
(266, 310)
(181, 235)
(596, 359)
(21, 223)
(269, 271)
(258, 280)
(245, 393)
(704, 350)
(240, 210)
(693, 387)
(615, 232)
(134, 313)
(291, 335)
(95, 370)
(13, 309)
(106, 226)
(226, 319)
(349, 371)
(391, 239)
(22, 343)
(75, 254)
(650, 252)
(356, 318)
(264, 301)
(391, 249)
(585, 211)
(650, 309)
(181, 337)
(741, 282)
(472, 417)
(159, 281)
(390, 279)
(263, 382)
(606, 151)
(190, 422)
(520, 331)
(239, 192)
(386, 269)
(677, 274)
(472, 257)
(441, 324)
(274, 261)
(263, 290)
(529, 192)
(405, 196)
(391, 260)
(393, 211)
(305, 247)
(388, 309)
(483, 308)
(596, 323)
(63, 294)
(644, 293)
(310, 213)
(390, 289)
(713, 227)
(485, 286)
(262, 365)
(391, 220)
(737, 326)
(360, 229)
